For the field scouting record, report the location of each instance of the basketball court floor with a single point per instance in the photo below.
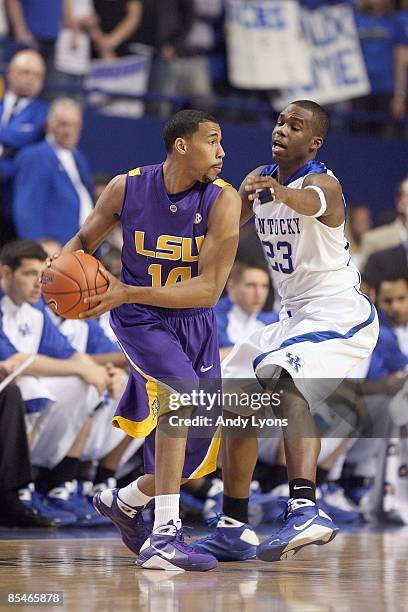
(362, 570)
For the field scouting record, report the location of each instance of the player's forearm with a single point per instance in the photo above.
(194, 293)
(48, 366)
(75, 244)
(116, 359)
(303, 201)
(127, 26)
(16, 17)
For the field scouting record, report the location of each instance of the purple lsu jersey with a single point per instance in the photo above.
(162, 237)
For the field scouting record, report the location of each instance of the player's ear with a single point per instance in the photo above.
(5, 272)
(180, 146)
(316, 143)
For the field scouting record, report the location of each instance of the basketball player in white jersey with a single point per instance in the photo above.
(326, 327)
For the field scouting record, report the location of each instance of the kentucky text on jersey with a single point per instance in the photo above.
(307, 259)
(277, 227)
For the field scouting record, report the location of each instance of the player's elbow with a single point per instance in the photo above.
(210, 294)
(214, 296)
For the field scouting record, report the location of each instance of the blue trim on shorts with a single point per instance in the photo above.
(316, 337)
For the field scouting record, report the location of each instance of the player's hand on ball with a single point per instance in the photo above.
(114, 296)
(259, 183)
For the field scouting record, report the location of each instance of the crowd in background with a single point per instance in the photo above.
(52, 459)
(186, 40)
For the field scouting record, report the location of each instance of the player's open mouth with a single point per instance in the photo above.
(277, 145)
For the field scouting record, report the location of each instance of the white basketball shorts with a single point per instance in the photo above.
(317, 344)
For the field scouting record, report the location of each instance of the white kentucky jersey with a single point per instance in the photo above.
(75, 330)
(307, 259)
(401, 332)
(23, 324)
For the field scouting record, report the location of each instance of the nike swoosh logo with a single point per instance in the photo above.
(296, 488)
(164, 554)
(203, 369)
(301, 527)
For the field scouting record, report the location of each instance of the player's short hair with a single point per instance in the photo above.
(240, 267)
(183, 124)
(321, 118)
(13, 253)
(390, 278)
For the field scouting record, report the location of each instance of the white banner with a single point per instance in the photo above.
(127, 75)
(315, 54)
(265, 45)
(337, 69)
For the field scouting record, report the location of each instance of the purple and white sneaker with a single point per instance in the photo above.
(166, 549)
(128, 519)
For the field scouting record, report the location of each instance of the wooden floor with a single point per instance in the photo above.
(362, 572)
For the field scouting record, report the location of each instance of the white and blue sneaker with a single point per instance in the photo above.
(332, 499)
(213, 503)
(69, 498)
(304, 524)
(272, 504)
(231, 540)
(166, 549)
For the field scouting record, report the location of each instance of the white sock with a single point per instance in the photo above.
(133, 496)
(166, 509)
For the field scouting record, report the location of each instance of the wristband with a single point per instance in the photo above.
(265, 195)
(322, 198)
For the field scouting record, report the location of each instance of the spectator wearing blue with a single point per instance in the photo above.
(22, 121)
(36, 24)
(53, 189)
(240, 313)
(381, 36)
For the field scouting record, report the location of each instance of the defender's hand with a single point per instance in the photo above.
(114, 296)
(253, 183)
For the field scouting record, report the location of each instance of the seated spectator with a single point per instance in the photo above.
(359, 221)
(392, 299)
(380, 33)
(15, 464)
(60, 376)
(74, 421)
(390, 263)
(239, 313)
(22, 123)
(392, 234)
(53, 191)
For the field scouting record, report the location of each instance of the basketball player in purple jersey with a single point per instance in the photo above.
(177, 220)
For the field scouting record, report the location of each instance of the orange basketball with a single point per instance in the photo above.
(70, 279)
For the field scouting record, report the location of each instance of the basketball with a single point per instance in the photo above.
(70, 279)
